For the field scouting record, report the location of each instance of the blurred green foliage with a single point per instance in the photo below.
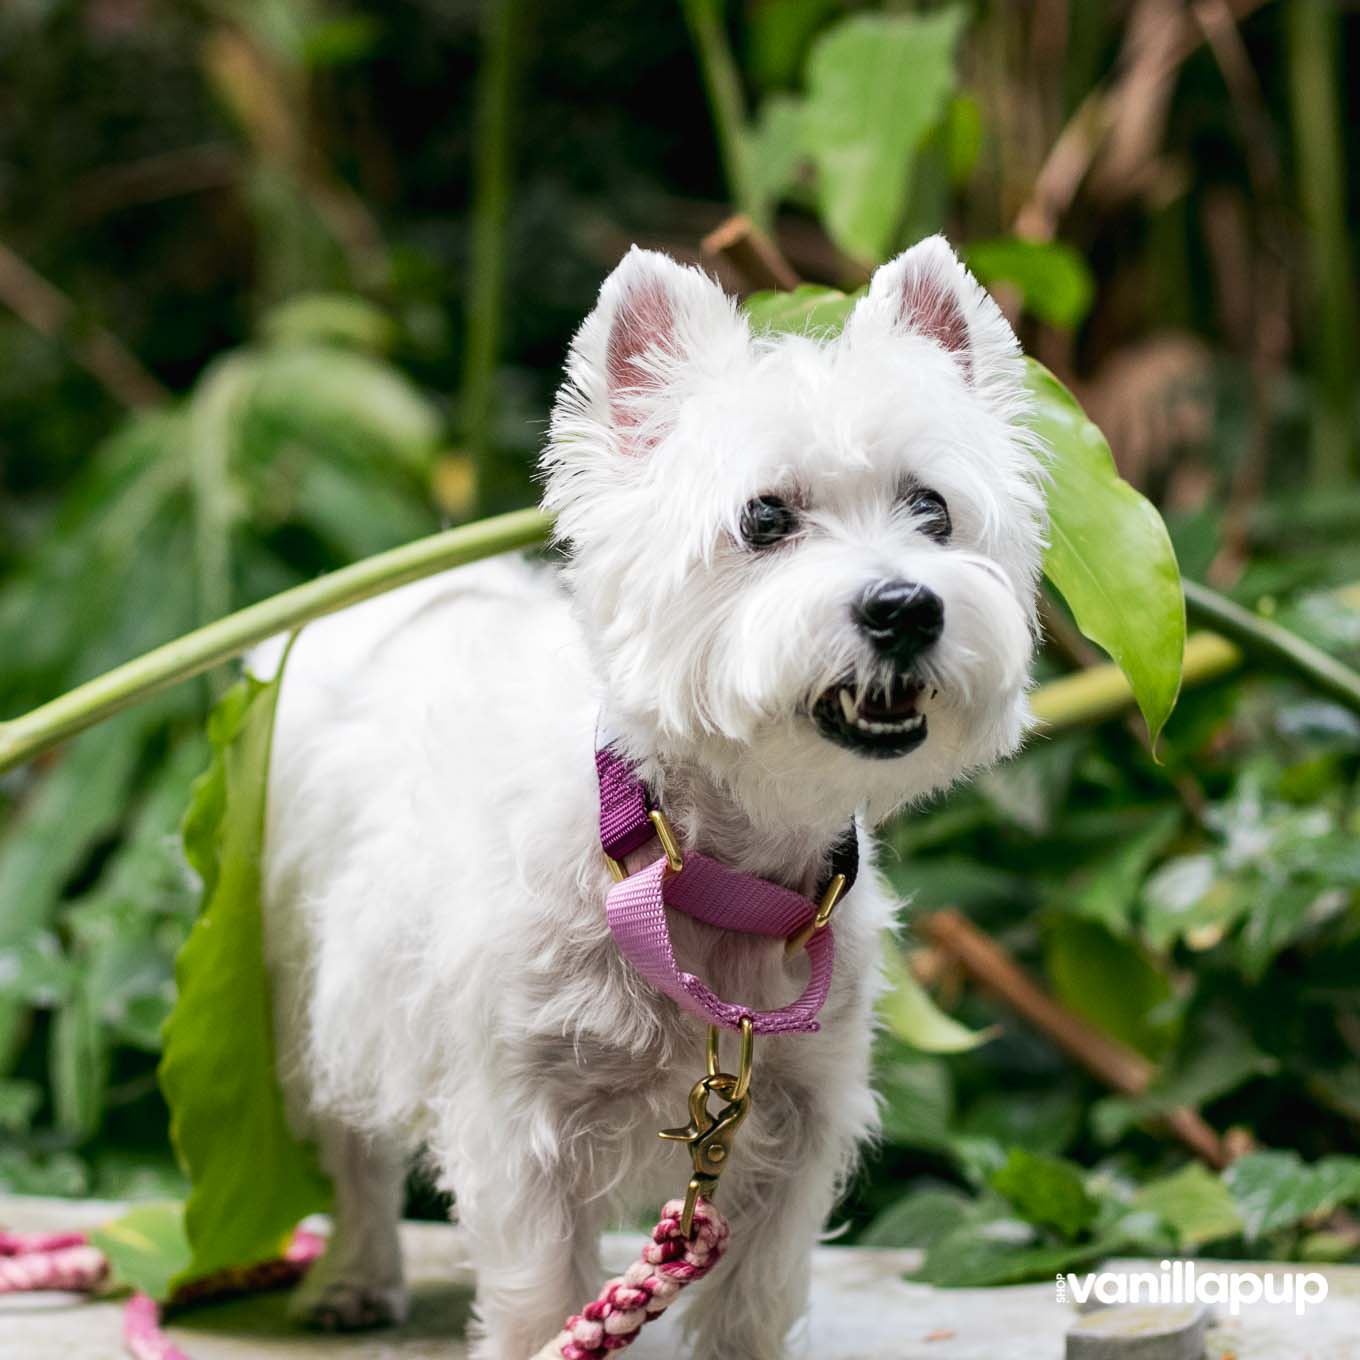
(268, 203)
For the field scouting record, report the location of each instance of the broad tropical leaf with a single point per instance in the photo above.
(252, 1181)
(877, 83)
(1109, 554)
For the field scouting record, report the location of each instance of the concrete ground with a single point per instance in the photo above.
(862, 1309)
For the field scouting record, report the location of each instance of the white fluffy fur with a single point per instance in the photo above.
(444, 975)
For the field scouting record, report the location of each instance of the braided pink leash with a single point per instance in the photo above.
(64, 1261)
(647, 1288)
(30, 1262)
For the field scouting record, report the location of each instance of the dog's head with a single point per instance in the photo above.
(815, 559)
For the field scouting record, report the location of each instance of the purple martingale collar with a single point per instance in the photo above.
(710, 892)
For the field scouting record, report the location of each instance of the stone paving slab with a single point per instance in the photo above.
(862, 1309)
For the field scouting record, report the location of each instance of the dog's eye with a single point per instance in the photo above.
(767, 520)
(930, 513)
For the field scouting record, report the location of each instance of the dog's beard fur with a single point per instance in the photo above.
(434, 886)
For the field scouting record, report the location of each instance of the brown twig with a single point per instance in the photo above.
(1117, 1065)
(98, 351)
(752, 254)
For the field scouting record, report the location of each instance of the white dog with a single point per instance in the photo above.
(800, 591)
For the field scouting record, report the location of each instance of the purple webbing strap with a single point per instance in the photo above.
(624, 823)
(709, 892)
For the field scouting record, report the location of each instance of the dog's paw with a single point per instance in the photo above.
(345, 1307)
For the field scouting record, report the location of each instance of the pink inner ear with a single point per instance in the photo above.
(644, 321)
(930, 307)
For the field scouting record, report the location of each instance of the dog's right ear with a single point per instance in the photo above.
(657, 327)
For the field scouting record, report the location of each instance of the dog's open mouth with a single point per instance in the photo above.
(881, 722)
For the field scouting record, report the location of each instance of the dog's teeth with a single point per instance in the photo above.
(848, 706)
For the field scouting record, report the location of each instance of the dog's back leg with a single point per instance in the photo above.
(358, 1282)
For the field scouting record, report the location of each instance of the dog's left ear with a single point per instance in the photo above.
(927, 291)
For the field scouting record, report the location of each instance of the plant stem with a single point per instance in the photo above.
(1102, 692)
(1268, 641)
(727, 104)
(1314, 41)
(37, 731)
(490, 204)
(213, 422)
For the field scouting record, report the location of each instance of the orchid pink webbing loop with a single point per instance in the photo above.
(647, 1288)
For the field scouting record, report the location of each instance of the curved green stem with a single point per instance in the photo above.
(728, 105)
(1269, 641)
(28, 736)
(496, 85)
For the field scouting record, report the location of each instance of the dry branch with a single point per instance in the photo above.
(1117, 1065)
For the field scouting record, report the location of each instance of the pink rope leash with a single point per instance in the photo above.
(60, 1261)
(30, 1262)
(647, 1288)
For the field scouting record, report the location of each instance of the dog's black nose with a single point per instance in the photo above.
(901, 618)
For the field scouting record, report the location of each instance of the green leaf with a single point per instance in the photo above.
(807, 310)
(918, 1098)
(147, 1247)
(1044, 1120)
(877, 84)
(1276, 918)
(1187, 896)
(78, 1065)
(1111, 983)
(919, 1219)
(330, 318)
(19, 1101)
(80, 801)
(252, 1181)
(1109, 893)
(1277, 1189)
(1194, 1203)
(1054, 281)
(778, 152)
(909, 1013)
(978, 1257)
(1047, 1191)
(1109, 553)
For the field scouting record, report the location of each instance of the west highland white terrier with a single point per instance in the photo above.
(799, 593)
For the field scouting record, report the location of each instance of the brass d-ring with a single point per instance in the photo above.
(741, 1083)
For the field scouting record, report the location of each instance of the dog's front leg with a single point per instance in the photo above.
(535, 1243)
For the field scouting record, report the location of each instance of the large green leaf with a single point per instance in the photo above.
(807, 310)
(877, 84)
(1110, 982)
(147, 1248)
(1047, 1191)
(1110, 554)
(252, 1181)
